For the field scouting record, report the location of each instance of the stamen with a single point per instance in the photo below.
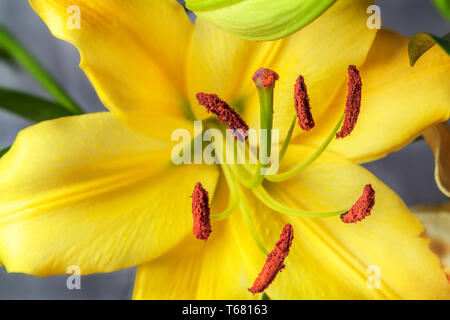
(353, 104)
(362, 206)
(279, 177)
(273, 204)
(200, 212)
(265, 84)
(234, 194)
(245, 209)
(275, 261)
(224, 113)
(265, 77)
(301, 99)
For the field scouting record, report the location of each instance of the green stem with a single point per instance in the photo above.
(266, 123)
(265, 149)
(25, 59)
(287, 140)
(271, 203)
(251, 226)
(235, 190)
(295, 170)
(243, 173)
(234, 195)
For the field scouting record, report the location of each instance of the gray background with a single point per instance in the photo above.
(409, 172)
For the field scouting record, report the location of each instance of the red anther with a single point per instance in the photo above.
(274, 261)
(362, 206)
(200, 212)
(301, 99)
(353, 104)
(224, 113)
(265, 77)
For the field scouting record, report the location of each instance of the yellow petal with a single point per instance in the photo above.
(438, 137)
(328, 259)
(398, 101)
(87, 191)
(333, 260)
(132, 51)
(221, 63)
(321, 52)
(196, 269)
(436, 220)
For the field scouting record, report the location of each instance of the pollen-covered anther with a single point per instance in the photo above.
(200, 212)
(301, 99)
(362, 206)
(224, 113)
(274, 261)
(353, 104)
(265, 77)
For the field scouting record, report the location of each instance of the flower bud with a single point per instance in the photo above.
(259, 19)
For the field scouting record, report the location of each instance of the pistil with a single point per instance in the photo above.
(265, 83)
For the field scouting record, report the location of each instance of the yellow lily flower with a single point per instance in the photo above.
(90, 191)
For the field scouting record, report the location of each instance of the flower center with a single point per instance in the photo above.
(238, 176)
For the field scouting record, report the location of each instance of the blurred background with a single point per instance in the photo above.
(409, 172)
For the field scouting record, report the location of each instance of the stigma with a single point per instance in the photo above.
(274, 261)
(301, 100)
(353, 104)
(362, 207)
(265, 78)
(224, 113)
(201, 213)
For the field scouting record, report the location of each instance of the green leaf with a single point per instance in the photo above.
(12, 47)
(5, 57)
(31, 107)
(422, 42)
(444, 7)
(3, 151)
